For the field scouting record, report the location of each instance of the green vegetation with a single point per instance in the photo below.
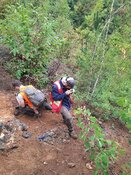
(3, 4)
(93, 36)
(103, 152)
(35, 34)
(104, 61)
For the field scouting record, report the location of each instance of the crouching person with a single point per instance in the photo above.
(61, 101)
(30, 100)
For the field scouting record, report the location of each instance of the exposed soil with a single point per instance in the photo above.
(35, 157)
(60, 156)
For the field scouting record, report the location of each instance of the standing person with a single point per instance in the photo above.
(30, 99)
(61, 101)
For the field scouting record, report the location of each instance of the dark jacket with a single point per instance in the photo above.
(57, 96)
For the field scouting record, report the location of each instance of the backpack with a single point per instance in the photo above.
(34, 95)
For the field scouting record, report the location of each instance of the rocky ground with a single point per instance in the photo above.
(55, 153)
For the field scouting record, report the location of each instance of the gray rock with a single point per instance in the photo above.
(26, 134)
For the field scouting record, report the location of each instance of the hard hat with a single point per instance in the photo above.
(70, 82)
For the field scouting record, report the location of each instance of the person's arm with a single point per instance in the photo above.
(56, 95)
(20, 100)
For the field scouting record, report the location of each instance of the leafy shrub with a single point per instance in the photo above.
(103, 152)
(104, 62)
(3, 4)
(34, 37)
(125, 112)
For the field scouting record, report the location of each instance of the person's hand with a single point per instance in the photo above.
(68, 92)
(36, 111)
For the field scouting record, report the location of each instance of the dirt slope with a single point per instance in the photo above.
(32, 157)
(61, 155)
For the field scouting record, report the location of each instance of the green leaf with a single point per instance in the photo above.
(109, 142)
(100, 144)
(87, 145)
(80, 123)
(92, 119)
(92, 138)
(87, 130)
(105, 160)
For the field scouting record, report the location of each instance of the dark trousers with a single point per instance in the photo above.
(67, 117)
(44, 105)
(29, 111)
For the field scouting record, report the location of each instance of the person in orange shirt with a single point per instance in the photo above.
(24, 104)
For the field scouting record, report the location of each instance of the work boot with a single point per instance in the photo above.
(73, 134)
(20, 110)
(17, 111)
(47, 106)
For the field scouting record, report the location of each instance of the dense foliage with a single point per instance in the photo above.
(103, 152)
(35, 33)
(104, 61)
(93, 35)
(3, 4)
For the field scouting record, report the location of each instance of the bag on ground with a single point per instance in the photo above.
(34, 95)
